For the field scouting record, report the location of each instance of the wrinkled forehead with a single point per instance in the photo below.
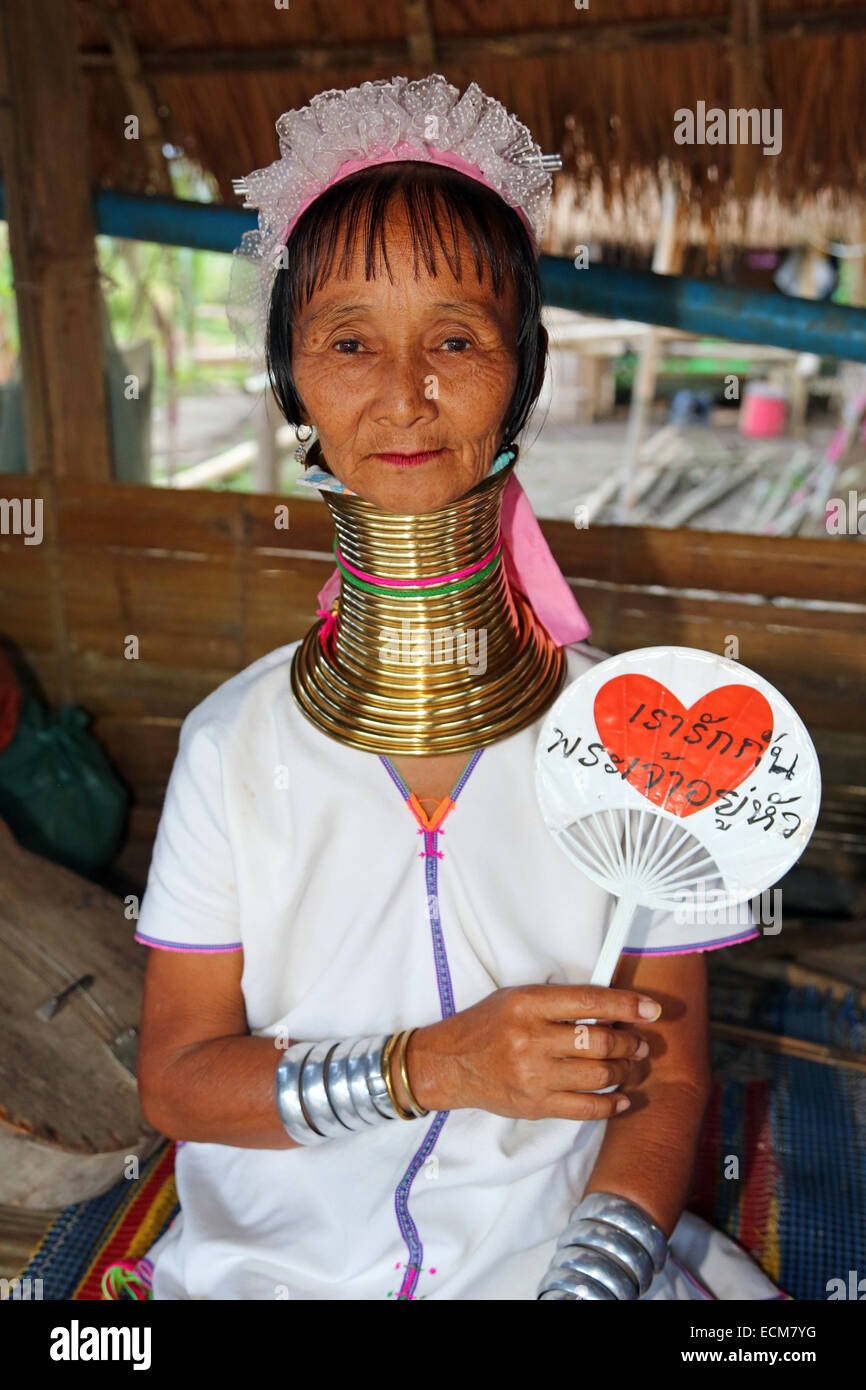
(426, 251)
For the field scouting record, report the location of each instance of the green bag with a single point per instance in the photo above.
(58, 793)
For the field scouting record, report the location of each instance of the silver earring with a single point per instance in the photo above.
(300, 452)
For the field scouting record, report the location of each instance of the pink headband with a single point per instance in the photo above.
(400, 153)
(395, 120)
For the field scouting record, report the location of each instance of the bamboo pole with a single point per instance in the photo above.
(791, 1047)
(791, 972)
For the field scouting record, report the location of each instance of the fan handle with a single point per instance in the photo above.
(614, 940)
(609, 954)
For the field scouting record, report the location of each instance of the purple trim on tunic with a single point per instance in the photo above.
(705, 1293)
(185, 945)
(466, 773)
(431, 854)
(407, 1226)
(395, 777)
(695, 946)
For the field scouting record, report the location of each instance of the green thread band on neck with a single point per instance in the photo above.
(433, 591)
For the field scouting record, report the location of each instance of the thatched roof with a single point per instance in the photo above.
(600, 85)
(830, 221)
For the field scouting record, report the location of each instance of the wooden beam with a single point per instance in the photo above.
(118, 31)
(43, 137)
(464, 52)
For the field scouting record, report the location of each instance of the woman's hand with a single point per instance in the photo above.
(520, 1053)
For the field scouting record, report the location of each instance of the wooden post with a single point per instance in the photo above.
(266, 471)
(420, 37)
(667, 260)
(43, 137)
(858, 266)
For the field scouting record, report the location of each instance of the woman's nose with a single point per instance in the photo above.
(406, 389)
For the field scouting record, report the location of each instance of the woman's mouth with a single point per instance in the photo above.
(408, 460)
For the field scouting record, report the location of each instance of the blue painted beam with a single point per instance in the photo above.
(700, 306)
(172, 221)
(696, 306)
(169, 221)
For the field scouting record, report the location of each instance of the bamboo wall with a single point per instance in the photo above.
(207, 584)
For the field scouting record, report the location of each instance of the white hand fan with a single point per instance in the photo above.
(671, 776)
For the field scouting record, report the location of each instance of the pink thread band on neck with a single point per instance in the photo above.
(529, 567)
(428, 582)
(405, 152)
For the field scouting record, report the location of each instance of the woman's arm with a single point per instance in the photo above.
(648, 1155)
(201, 1075)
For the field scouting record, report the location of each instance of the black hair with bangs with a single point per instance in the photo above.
(497, 237)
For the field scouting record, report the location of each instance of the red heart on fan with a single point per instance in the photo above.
(682, 759)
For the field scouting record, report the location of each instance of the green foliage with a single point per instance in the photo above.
(9, 341)
(176, 297)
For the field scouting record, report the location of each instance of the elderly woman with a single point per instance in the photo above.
(368, 953)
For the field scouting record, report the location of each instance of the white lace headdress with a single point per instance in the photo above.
(379, 122)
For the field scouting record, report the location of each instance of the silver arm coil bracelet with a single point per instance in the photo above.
(331, 1089)
(611, 1248)
(618, 1211)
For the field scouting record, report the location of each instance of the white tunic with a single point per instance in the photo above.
(281, 842)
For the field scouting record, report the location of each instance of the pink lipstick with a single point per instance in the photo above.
(408, 460)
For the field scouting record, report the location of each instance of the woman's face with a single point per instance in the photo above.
(405, 367)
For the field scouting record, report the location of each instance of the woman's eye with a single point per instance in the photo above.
(348, 347)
